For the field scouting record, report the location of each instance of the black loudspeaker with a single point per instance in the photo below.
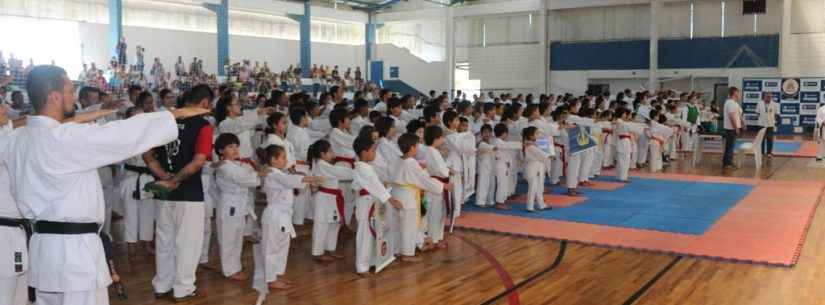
(753, 7)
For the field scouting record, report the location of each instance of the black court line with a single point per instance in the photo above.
(639, 293)
(777, 168)
(556, 263)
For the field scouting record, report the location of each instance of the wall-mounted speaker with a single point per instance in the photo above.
(753, 7)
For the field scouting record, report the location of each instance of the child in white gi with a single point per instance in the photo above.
(623, 147)
(276, 220)
(409, 179)
(457, 144)
(329, 200)
(341, 139)
(534, 171)
(370, 191)
(485, 194)
(439, 205)
(234, 179)
(300, 138)
(504, 164)
(819, 138)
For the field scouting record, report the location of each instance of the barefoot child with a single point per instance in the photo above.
(504, 164)
(409, 180)
(234, 178)
(439, 205)
(370, 191)
(329, 200)
(534, 172)
(276, 219)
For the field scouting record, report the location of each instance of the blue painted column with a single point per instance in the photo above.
(223, 35)
(115, 24)
(222, 13)
(306, 40)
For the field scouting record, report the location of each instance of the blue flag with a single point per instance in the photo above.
(580, 140)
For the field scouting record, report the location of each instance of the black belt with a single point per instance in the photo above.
(13, 222)
(137, 169)
(50, 227)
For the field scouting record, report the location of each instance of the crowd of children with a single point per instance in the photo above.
(335, 163)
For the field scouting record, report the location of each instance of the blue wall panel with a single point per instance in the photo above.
(613, 55)
(697, 53)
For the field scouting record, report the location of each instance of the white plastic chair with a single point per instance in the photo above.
(755, 147)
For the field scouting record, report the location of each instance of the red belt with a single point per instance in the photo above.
(624, 136)
(608, 132)
(362, 193)
(563, 159)
(351, 161)
(446, 195)
(339, 199)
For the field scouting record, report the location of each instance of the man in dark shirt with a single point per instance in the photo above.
(180, 220)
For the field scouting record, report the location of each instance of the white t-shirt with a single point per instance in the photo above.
(732, 107)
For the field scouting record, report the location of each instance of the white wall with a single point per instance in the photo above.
(803, 39)
(505, 67)
(417, 73)
(169, 44)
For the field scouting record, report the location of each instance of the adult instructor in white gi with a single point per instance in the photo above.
(54, 177)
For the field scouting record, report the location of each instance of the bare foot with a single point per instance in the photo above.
(288, 282)
(442, 244)
(206, 266)
(410, 259)
(335, 255)
(279, 285)
(238, 276)
(502, 206)
(324, 258)
(364, 274)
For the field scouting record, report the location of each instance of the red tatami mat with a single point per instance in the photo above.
(767, 227)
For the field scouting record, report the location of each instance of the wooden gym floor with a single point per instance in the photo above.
(481, 268)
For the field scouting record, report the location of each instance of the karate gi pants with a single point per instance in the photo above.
(364, 247)
(324, 237)
(410, 234)
(574, 169)
(139, 221)
(587, 165)
(230, 242)
(275, 249)
(98, 296)
(14, 290)
(503, 172)
(655, 156)
(623, 159)
(486, 183)
(435, 216)
(178, 245)
(534, 174)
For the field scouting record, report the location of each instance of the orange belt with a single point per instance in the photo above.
(339, 199)
(351, 161)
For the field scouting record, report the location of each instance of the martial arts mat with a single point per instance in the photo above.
(785, 148)
(734, 219)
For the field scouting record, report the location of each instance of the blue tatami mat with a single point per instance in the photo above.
(685, 207)
(782, 147)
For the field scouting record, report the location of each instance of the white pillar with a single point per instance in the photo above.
(653, 80)
(450, 30)
(544, 54)
(784, 36)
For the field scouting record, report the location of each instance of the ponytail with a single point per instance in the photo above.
(316, 150)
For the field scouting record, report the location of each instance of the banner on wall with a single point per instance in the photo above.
(798, 99)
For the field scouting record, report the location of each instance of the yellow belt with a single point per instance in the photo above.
(418, 192)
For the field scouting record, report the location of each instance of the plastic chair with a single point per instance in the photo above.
(755, 147)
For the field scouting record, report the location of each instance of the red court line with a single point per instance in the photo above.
(512, 297)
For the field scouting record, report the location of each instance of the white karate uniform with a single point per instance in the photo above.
(504, 167)
(485, 194)
(15, 253)
(437, 209)
(320, 125)
(400, 125)
(243, 127)
(534, 174)
(234, 180)
(458, 144)
(658, 134)
(342, 147)
(327, 220)
(111, 196)
(408, 180)
(365, 178)
(609, 140)
(623, 148)
(276, 220)
(547, 130)
(139, 218)
(559, 167)
(56, 180)
(301, 140)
